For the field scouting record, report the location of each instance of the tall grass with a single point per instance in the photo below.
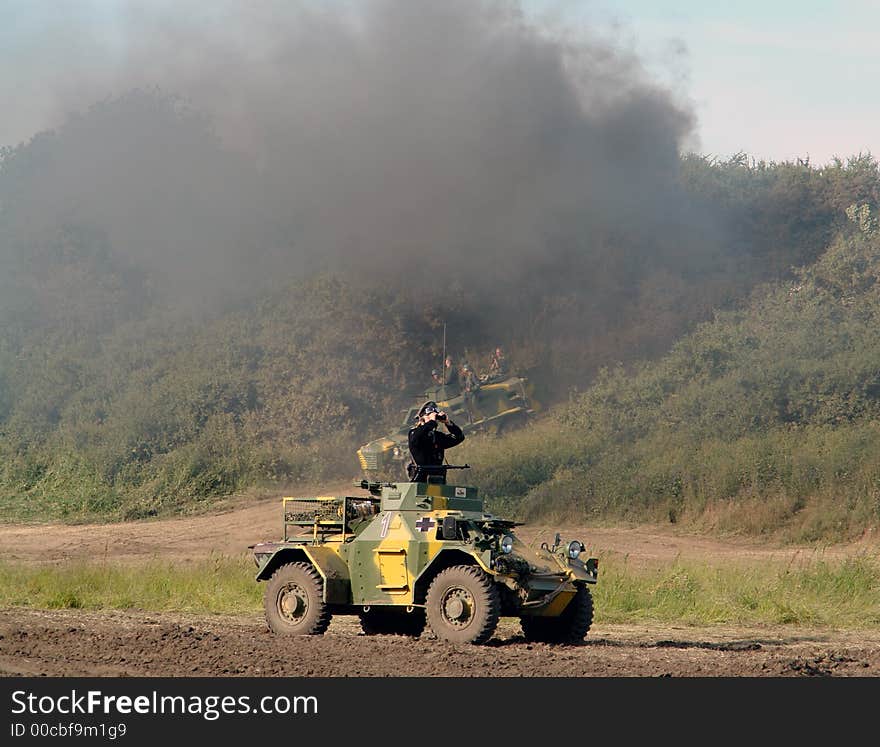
(217, 585)
(802, 485)
(841, 594)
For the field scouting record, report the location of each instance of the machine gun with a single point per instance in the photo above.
(434, 473)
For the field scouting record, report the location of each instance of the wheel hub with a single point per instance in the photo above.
(458, 607)
(293, 603)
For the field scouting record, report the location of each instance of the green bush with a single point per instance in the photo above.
(764, 419)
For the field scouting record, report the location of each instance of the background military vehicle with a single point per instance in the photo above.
(500, 402)
(408, 554)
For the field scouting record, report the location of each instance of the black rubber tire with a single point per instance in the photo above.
(300, 586)
(476, 595)
(568, 628)
(383, 621)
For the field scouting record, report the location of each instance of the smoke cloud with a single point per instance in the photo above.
(436, 145)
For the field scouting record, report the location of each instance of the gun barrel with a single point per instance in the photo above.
(431, 468)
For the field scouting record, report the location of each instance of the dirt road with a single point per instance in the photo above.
(230, 531)
(78, 643)
(73, 643)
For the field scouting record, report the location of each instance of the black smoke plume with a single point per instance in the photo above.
(456, 150)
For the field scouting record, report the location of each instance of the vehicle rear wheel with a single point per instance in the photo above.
(293, 601)
(569, 627)
(463, 605)
(383, 621)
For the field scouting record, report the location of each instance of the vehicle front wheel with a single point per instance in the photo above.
(293, 601)
(463, 605)
(569, 627)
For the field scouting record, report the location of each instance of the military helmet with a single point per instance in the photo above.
(429, 407)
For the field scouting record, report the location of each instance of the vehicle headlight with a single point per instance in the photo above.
(506, 544)
(575, 548)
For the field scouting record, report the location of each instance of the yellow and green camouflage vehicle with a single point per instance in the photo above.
(407, 554)
(500, 402)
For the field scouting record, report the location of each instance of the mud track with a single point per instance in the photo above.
(71, 643)
(79, 643)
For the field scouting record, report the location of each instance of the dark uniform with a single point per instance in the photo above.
(448, 371)
(470, 385)
(498, 366)
(427, 446)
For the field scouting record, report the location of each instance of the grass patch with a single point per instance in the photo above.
(841, 594)
(216, 585)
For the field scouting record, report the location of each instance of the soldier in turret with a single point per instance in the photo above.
(427, 445)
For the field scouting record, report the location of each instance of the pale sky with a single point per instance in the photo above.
(778, 79)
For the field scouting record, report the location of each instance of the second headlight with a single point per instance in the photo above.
(575, 548)
(506, 544)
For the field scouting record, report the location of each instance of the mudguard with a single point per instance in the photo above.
(332, 569)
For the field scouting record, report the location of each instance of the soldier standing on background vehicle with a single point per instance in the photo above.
(427, 445)
(448, 370)
(498, 366)
(469, 384)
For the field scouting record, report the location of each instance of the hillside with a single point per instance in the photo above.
(163, 344)
(764, 419)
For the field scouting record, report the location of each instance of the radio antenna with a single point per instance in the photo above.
(443, 361)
